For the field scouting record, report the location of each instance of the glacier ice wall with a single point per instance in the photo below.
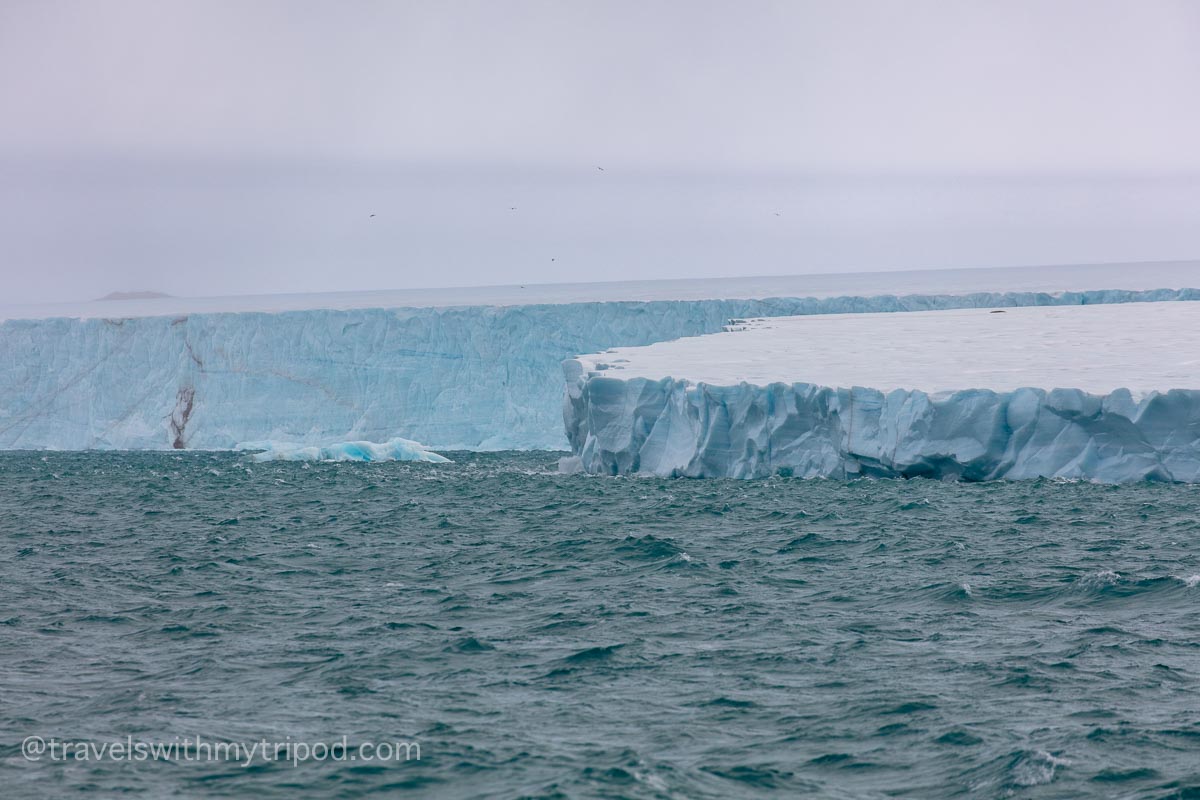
(673, 428)
(486, 377)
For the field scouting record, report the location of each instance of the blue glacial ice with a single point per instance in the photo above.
(674, 428)
(483, 377)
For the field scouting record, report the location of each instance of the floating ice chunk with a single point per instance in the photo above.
(393, 450)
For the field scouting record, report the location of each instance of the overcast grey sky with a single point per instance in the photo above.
(216, 147)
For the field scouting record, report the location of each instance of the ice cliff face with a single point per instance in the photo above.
(474, 378)
(674, 428)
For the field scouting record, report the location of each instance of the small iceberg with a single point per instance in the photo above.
(391, 450)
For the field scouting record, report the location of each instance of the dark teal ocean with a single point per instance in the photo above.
(540, 635)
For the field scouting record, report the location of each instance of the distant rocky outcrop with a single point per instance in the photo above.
(133, 296)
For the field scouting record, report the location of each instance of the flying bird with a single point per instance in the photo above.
(600, 168)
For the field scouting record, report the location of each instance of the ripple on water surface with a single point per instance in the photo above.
(544, 635)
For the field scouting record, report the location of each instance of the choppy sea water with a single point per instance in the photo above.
(543, 635)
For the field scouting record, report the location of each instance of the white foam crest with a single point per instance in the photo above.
(1036, 768)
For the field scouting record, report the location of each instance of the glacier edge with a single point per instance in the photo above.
(675, 428)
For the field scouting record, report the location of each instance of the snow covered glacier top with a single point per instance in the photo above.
(1138, 346)
(1055, 279)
